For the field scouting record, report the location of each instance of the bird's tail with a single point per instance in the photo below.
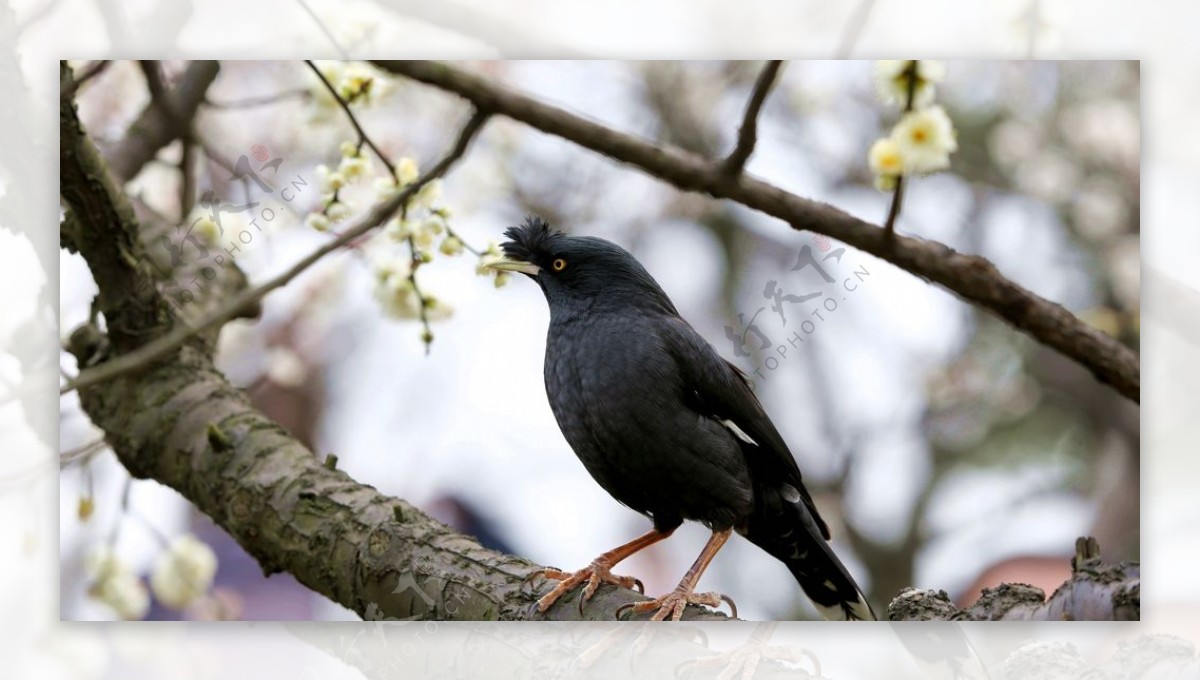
(790, 533)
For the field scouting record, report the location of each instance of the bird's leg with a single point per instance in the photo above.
(673, 604)
(599, 572)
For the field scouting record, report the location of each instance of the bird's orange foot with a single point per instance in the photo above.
(672, 605)
(599, 572)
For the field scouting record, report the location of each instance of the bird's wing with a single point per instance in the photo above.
(719, 390)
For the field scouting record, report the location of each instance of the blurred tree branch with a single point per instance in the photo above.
(1095, 591)
(164, 119)
(748, 132)
(972, 277)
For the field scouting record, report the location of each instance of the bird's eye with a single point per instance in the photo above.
(559, 264)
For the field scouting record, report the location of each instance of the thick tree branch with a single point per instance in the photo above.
(972, 277)
(156, 127)
(376, 555)
(748, 132)
(102, 228)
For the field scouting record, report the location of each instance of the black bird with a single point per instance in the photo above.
(665, 425)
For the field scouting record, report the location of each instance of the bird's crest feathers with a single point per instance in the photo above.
(530, 239)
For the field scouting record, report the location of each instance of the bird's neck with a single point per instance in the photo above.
(602, 308)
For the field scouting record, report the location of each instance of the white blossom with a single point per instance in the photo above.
(87, 506)
(317, 221)
(925, 139)
(451, 245)
(354, 168)
(329, 181)
(125, 594)
(356, 81)
(387, 265)
(115, 585)
(398, 229)
(428, 195)
(892, 81)
(490, 255)
(396, 295)
(436, 310)
(426, 231)
(407, 171)
(885, 158)
(184, 572)
(337, 211)
(385, 188)
(207, 229)
(101, 562)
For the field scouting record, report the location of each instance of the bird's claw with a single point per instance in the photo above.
(673, 604)
(732, 605)
(551, 573)
(591, 576)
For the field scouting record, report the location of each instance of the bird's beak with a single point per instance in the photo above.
(509, 265)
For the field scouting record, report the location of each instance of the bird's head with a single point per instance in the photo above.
(579, 272)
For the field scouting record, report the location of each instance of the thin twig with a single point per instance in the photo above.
(362, 135)
(214, 155)
(158, 96)
(163, 345)
(972, 277)
(115, 532)
(889, 225)
(748, 133)
(154, 83)
(187, 179)
(166, 118)
(470, 249)
(427, 331)
(71, 455)
(250, 102)
(88, 72)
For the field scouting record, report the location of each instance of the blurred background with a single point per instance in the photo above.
(946, 450)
